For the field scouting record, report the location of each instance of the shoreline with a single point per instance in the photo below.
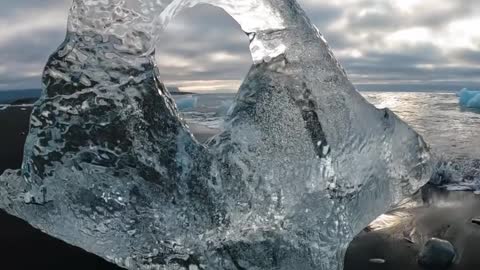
(440, 213)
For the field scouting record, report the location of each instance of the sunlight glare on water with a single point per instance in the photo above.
(451, 130)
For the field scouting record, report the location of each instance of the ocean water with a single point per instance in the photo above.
(18, 97)
(451, 131)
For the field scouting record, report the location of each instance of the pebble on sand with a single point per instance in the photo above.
(377, 261)
(476, 221)
(437, 254)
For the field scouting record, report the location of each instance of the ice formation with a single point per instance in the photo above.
(303, 165)
(186, 103)
(469, 98)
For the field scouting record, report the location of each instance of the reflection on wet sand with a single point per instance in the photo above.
(397, 237)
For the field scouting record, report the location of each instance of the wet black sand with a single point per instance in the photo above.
(13, 131)
(447, 215)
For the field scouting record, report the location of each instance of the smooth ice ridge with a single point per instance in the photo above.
(303, 164)
(469, 98)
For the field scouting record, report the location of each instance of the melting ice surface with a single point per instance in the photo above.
(302, 165)
(469, 98)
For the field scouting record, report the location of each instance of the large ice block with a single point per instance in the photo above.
(469, 98)
(303, 164)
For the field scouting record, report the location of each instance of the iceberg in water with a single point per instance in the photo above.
(469, 98)
(303, 164)
(186, 103)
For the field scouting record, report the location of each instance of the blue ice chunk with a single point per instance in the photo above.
(187, 103)
(469, 98)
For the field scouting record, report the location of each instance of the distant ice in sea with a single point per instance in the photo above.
(187, 102)
(435, 115)
(469, 98)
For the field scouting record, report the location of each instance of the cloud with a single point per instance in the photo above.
(29, 32)
(381, 43)
(203, 44)
(408, 43)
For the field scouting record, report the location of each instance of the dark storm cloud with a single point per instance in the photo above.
(210, 41)
(388, 19)
(24, 64)
(20, 48)
(322, 13)
(379, 42)
(467, 56)
(384, 65)
(12, 8)
(407, 59)
(29, 32)
(23, 58)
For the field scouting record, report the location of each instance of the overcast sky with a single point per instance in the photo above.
(383, 44)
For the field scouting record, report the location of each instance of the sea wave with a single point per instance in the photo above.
(459, 174)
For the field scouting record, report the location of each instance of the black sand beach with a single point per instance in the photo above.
(14, 128)
(445, 215)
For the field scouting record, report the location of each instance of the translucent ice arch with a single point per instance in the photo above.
(139, 23)
(304, 162)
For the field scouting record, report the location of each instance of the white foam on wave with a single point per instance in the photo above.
(457, 175)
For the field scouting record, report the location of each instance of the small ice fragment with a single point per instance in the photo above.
(476, 221)
(377, 261)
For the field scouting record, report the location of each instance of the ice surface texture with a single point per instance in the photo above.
(303, 165)
(469, 98)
